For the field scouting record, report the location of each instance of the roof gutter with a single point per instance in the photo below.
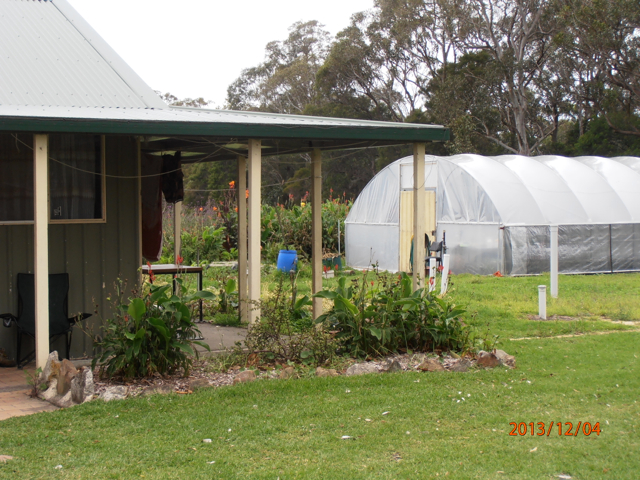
(405, 133)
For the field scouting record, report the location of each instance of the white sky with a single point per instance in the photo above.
(197, 48)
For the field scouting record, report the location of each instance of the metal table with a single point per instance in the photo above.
(173, 269)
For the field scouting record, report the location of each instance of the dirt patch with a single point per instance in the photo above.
(178, 383)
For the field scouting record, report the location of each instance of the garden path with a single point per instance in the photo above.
(14, 401)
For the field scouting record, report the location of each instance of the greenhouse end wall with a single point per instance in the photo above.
(473, 248)
(372, 244)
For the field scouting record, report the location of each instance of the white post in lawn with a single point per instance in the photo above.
(553, 230)
(177, 232)
(419, 215)
(542, 302)
(242, 240)
(316, 230)
(255, 184)
(41, 246)
(444, 280)
(432, 274)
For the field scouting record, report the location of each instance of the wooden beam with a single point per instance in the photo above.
(41, 245)
(255, 183)
(139, 209)
(177, 231)
(316, 230)
(419, 216)
(242, 240)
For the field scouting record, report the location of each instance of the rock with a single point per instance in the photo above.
(82, 386)
(67, 372)
(431, 365)
(323, 372)
(392, 366)
(243, 377)
(287, 372)
(487, 360)
(118, 392)
(50, 392)
(361, 369)
(199, 383)
(156, 390)
(63, 401)
(51, 368)
(506, 359)
(461, 365)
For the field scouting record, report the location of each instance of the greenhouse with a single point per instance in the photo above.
(494, 214)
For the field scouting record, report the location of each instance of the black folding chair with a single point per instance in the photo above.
(59, 321)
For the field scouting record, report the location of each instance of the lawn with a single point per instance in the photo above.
(294, 428)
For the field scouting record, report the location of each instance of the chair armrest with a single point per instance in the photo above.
(7, 318)
(79, 318)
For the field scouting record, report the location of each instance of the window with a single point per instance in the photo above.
(16, 178)
(76, 178)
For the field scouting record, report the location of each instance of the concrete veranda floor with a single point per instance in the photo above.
(14, 389)
(14, 398)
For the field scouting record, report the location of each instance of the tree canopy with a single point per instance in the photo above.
(506, 76)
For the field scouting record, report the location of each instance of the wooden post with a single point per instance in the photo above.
(255, 183)
(419, 215)
(41, 245)
(139, 210)
(242, 240)
(177, 231)
(316, 230)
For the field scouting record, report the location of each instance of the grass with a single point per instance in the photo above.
(293, 428)
(505, 306)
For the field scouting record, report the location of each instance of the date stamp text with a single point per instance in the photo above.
(561, 429)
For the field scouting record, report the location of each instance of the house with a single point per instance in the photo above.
(75, 125)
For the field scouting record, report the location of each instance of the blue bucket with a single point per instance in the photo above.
(287, 260)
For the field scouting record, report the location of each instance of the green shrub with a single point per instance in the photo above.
(152, 333)
(391, 318)
(285, 331)
(209, 232)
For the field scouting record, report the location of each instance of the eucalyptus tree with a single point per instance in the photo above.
(517, 34)
(604, 37)
(285, 81)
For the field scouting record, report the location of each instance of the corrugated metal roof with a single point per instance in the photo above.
(49, 56)
(183, 121)
(173, 114)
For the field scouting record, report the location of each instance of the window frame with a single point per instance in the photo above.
(103, 193)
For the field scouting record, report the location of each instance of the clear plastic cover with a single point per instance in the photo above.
(371, 244)
(472, 248)
(555, 199)
(598, 198)
(624, 180)
(379, 201)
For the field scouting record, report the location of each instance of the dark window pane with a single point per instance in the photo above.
(16, 178)
(75, 168)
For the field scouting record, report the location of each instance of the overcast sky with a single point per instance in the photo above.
(197, 48)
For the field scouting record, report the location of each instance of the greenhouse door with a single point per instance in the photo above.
(406, 224)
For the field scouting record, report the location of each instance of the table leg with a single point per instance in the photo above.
(200, 289)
